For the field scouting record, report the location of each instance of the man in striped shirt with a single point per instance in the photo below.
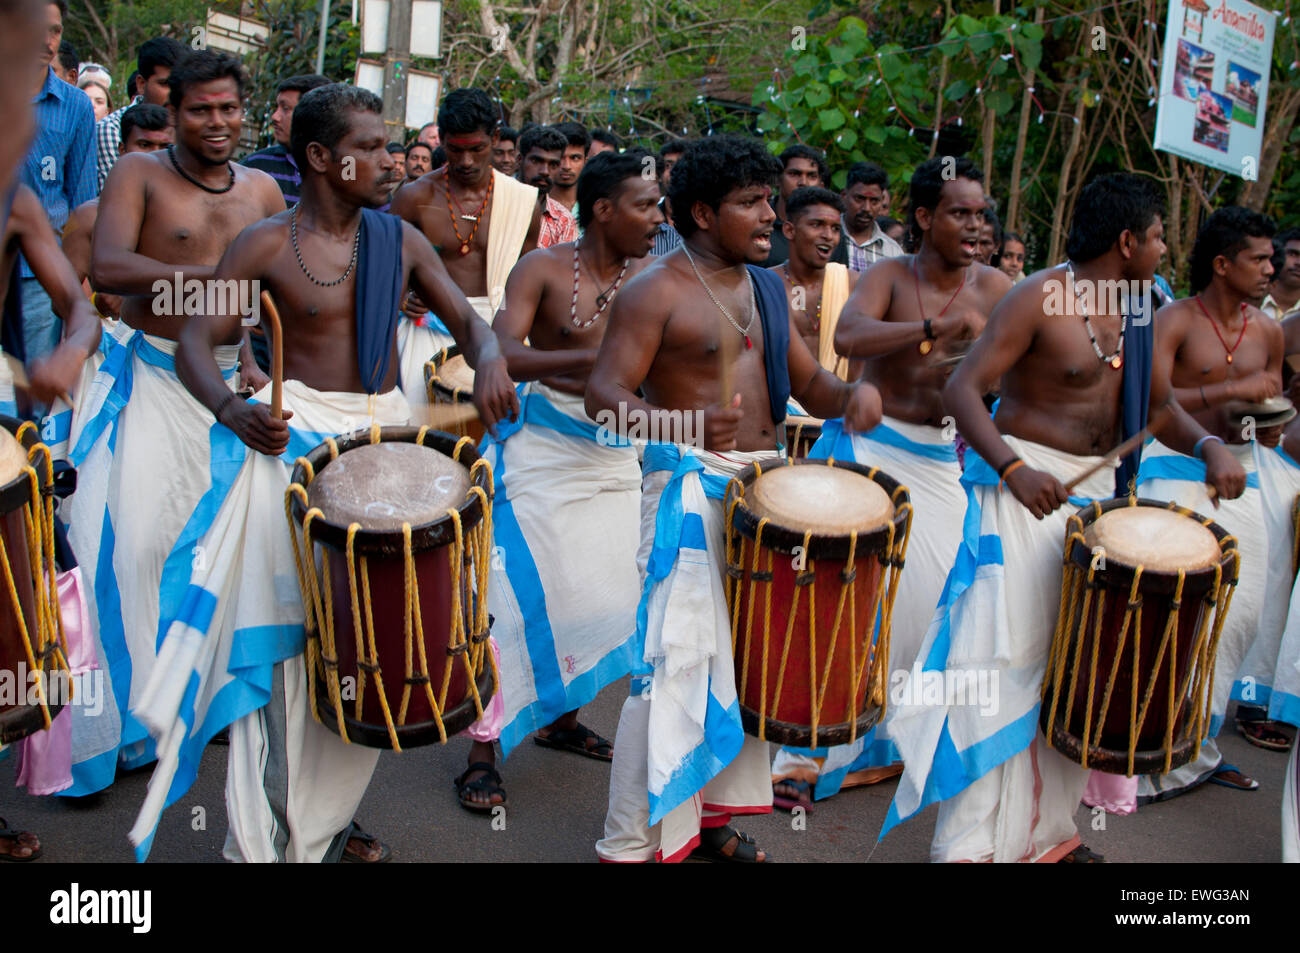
(154, 62)
(276, 160)
(667, 238)
(864, 196)
(59, 169)
(542, 150)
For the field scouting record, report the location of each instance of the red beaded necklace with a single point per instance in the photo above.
(1245, 319)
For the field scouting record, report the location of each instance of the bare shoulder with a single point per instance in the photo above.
(264, 237)
(138, 166)
(654, 287)
(1175, 314)
(412, 195)
(991, 282)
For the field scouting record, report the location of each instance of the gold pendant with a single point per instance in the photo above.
(1229, 358)
(464, 248)
(1117, 362)
(925, 347)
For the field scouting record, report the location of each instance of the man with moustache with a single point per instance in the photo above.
(276, 160)
(800, 166)
(568, 492)
(165, 219)
(335, 267)
(505, 154)
(154, 62)
(479, 221)
(906, 316)
(1283, 298)
(702, 306)
(865, 203)
(419, 160)
(542, 151)
(1220, 352)
(1074, 383)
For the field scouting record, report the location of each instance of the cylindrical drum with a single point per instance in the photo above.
(450, 381)
(1144, 596)
(392, 536)
(800, 434)
(814, 551)
(33, 651)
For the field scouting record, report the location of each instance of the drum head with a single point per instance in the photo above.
(383, 485)
(1154, 537)
(456, 374)
(12, 457)
(829, 501)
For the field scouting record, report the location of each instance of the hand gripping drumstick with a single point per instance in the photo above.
(277, 353)
(1125, 448)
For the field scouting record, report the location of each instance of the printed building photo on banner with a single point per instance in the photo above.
(1243, 87)
(1194, 73)
(1213, 110)
(1214, 83)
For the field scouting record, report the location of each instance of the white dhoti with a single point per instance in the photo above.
(231, 647)
(919, 457)
(1279, 487)
(147, 457)
(681, 759)
(61, 428)
(566, 528)
(417, 342)
(1166, 475)
(967, 727)
(1291, 809)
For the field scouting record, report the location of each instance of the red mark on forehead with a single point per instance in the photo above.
(467, 142)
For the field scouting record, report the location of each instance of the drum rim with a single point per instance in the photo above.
(424, 536)
(1119, 574)
(18, 491)
(783, 539)
(432, 382)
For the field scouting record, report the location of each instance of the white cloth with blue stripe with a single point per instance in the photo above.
(680, 752)
(417, 343)
(63, 425)
(145, 461)
(922, 459)
(233, 654)
(1265, 668)
(566, 518)
(1004, 795)
(1284, 697)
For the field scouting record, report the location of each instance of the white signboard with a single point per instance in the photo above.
(423, 90)
(370, 75)
(374, 27)
(1214, 83)
(426, 28)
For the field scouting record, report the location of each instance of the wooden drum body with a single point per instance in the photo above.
(31, 626)
(800, 435)
(450, 382)
(1130, 676)
(814, 551)
(392, 533)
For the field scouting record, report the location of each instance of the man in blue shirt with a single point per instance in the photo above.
(276, 160)
(60, 169)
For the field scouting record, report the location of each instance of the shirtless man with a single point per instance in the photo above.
(907, 316)
(461, 209)
(568, 492)
(28, 232)
(145, 128)
(816, 286)
(1071, 390)
(162, 214)
(297, 255)
(694, 323)
(1221, 351)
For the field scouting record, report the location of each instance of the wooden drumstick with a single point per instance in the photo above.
(277, 354)
(1125, 448)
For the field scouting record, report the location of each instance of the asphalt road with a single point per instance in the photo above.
(556, 812)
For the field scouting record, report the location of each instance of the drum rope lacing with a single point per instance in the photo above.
(1069, 633)
(893, 555)
(470, 647)
(38, 528)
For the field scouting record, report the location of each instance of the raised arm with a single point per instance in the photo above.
(196, 363)
(514, 322)
(115, 265)
(823, 394)
(494, 392)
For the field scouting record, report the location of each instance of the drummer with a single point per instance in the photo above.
(908, 317)
(1221, 351)
(711, 345)
(165, 219)
(568, 492)
(289, 776)
(816, 286)
(1072, 386)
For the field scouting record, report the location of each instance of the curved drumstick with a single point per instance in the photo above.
(277, 353)
(1128, 446)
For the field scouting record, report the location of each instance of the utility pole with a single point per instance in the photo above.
(397, 60)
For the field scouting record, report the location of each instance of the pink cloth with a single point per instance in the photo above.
(1112, 792)
(488, 728)
(44, 760)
